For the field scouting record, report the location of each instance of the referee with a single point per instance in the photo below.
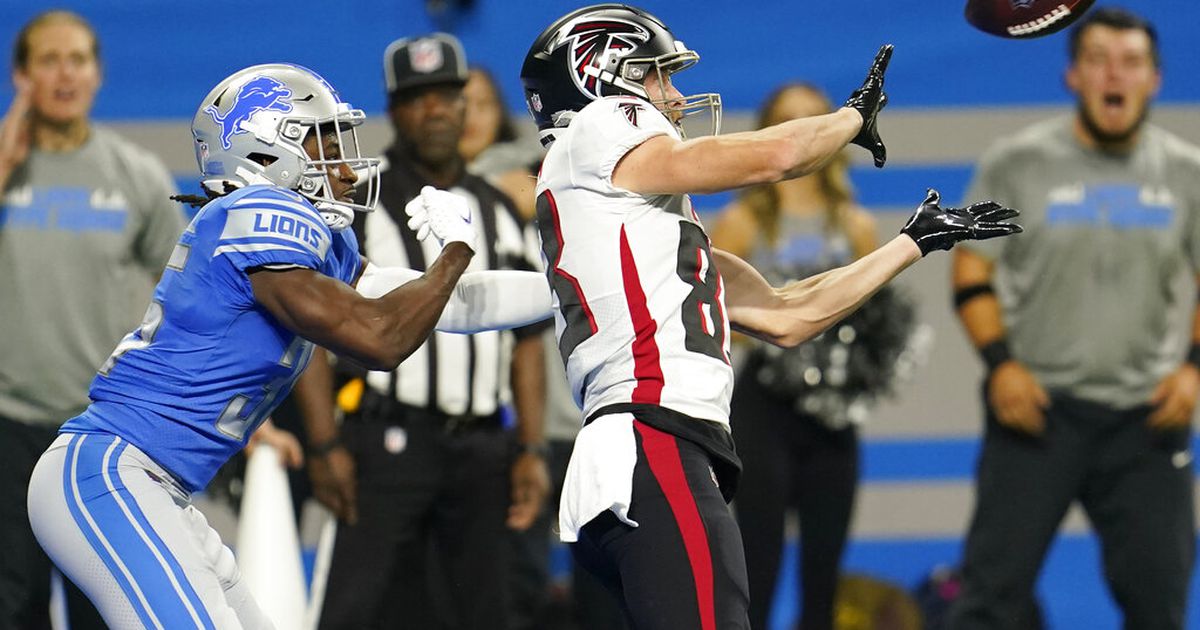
(425, 475)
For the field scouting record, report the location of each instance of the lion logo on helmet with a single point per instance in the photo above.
(261, 93)
(592, 40)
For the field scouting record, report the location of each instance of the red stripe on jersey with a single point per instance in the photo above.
(587, 310)
(646, 368)
(662, 455)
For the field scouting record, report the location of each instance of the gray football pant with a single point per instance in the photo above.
(116, 523)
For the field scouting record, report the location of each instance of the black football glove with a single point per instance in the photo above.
(934, 227)
(868, 100)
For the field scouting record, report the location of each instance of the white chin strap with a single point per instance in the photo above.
(337, 216)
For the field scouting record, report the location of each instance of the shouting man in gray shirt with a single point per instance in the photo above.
(86, 223)
(1086, 396)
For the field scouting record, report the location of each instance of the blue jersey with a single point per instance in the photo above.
(208, 363)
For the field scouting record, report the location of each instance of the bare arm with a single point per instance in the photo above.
(664, 165)
(530, 476)
(803, 309)
(1013, 391)
(529, 389)
(378, 333)
(15, 129)
(981, 315)
(1175, 396)
(313, 393)
(330, 464)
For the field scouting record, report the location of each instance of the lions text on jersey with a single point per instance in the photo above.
(208, 364)
(640, 314)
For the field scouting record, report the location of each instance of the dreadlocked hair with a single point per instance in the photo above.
(196, 201)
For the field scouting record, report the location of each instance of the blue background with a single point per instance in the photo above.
(164, 56)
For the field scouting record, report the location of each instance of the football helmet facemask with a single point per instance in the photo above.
(251, 129)
(606, 50)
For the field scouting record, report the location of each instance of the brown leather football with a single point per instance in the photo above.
(1024, 19)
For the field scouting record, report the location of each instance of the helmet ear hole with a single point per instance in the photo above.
(294, 131)
(261, 158)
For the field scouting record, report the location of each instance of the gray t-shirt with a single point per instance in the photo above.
(1091, 290)
(503, 157)
(83, 235)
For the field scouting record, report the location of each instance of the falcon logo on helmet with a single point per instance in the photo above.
(592, 42)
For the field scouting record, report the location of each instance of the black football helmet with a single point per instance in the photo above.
(606, 50)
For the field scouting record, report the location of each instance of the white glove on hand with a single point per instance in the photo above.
(443, 214)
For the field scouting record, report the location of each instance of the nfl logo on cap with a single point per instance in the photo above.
(426, 55)
(436, 58)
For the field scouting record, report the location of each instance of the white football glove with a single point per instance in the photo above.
(443, 214)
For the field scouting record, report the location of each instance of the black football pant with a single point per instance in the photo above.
(1135, 484)
(24, 567)
(683, 565)
(792, 461)
(430, 548)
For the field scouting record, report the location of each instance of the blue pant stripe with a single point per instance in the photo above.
(117, 568)
(148, 573)
(180, 580)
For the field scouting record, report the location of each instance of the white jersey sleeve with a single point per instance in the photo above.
(604, 131)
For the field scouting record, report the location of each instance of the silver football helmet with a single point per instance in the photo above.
(251, 128)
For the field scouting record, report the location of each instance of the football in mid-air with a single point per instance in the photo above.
(1024, 19)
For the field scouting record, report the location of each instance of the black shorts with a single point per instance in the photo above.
(683, 566)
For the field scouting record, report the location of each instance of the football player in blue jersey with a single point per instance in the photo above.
(265, 270)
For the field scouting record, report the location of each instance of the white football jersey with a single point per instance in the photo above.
(639, 305)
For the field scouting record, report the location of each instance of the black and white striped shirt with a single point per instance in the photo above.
(452, 374)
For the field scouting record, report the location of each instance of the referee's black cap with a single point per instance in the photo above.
(433, 59)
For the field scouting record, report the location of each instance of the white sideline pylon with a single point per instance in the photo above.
(268, 547)
(316, 591)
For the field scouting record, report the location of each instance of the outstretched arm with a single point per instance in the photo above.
(665, 165)
(378, 333)
(803, 309)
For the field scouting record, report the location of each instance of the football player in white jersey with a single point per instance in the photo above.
(644, 304)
